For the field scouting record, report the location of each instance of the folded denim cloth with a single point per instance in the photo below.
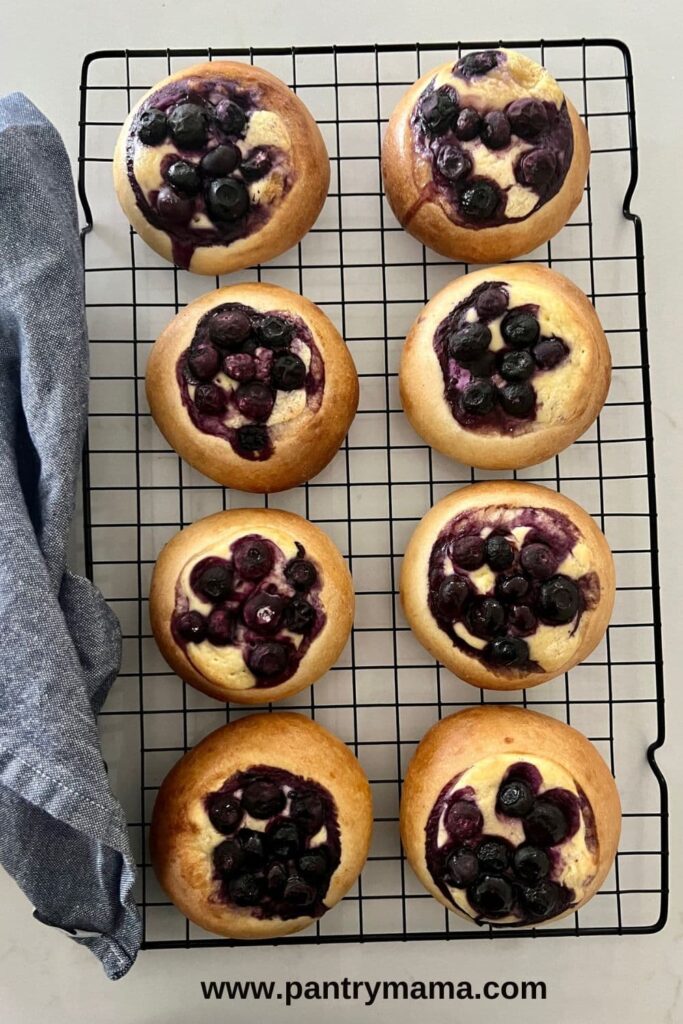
(63, 835)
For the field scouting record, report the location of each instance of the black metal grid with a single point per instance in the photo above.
(371, 278)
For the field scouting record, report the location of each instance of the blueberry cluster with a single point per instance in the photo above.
(251, 613)
(501, 879)
(528, 590)
(253, 349)
(275, 871)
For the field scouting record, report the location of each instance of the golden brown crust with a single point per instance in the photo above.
(414, 583)
(405, 175)
(581, 388)
(459, 741)
(303, 447)
(336, 595)
(182, 837)
(295, 213)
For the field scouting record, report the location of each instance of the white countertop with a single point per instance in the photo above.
(45, 977)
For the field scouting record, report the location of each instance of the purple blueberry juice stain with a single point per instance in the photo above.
(530, 582)
(498, 881)
(231, 213)
(212, 404)
(254, 608)
(276, 871)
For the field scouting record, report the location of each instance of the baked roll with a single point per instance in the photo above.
(253, 386)
(485, 158)
(220, 166)
(262, 828)
(508, 584)
(251, 605)
(509, 818)
(505, 367)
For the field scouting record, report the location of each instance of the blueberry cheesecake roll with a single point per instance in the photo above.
(485, 158)
(253, 386)
(505, 367)
(220, 166)
(508, 817)
(251, 605)
(262, 828)
(508, 584)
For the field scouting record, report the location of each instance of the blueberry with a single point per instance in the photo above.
(187, 123)
(517, 399)
(253, 558)
(520, 329)
(308, 811)
(220, 160)
(479, 200)
(530, 863)
(203, 362)
(515, 798)
(288, 373)
(541, 900)
(479, 63)
(499, 552)
(549, 352)
(469, 342)
(528, 118)
(299, 616)
(283, 839)
(263, 799)
(209, 399)
(438, 110)
(558, 600)
(252, 846)
(212, 581)
(230, 117)
(245, 890)
(517, 365)
(240, 366)
(255, 401)
(275, 331)
(315, 863)
(225, 813)
(491, 896)
(228, 856)
(510, 588)
(484, 366)
(464, 821)
(227, 199)
(491, 302)
(256, 165)
(537, 168)
(539, 560)
(451, 596)
(485, 617)
(221, 628)
(479, 397)
(173, 208)
(252, 438)
(184, 177)
(468, 552)
(545, 825)
(462, 868)
(493, 855)
(229, 328)
(263, 612)
(301, 574)
(495, 130)
(298, 892)
(152, 126)
(467, 124)
(453, 163)
(268, 659)
(522, 619)
(276, 878)
(191, 626)
(508, 651)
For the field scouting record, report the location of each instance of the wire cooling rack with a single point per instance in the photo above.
(372, 278)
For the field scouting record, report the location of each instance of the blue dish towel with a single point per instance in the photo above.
(63, 835)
